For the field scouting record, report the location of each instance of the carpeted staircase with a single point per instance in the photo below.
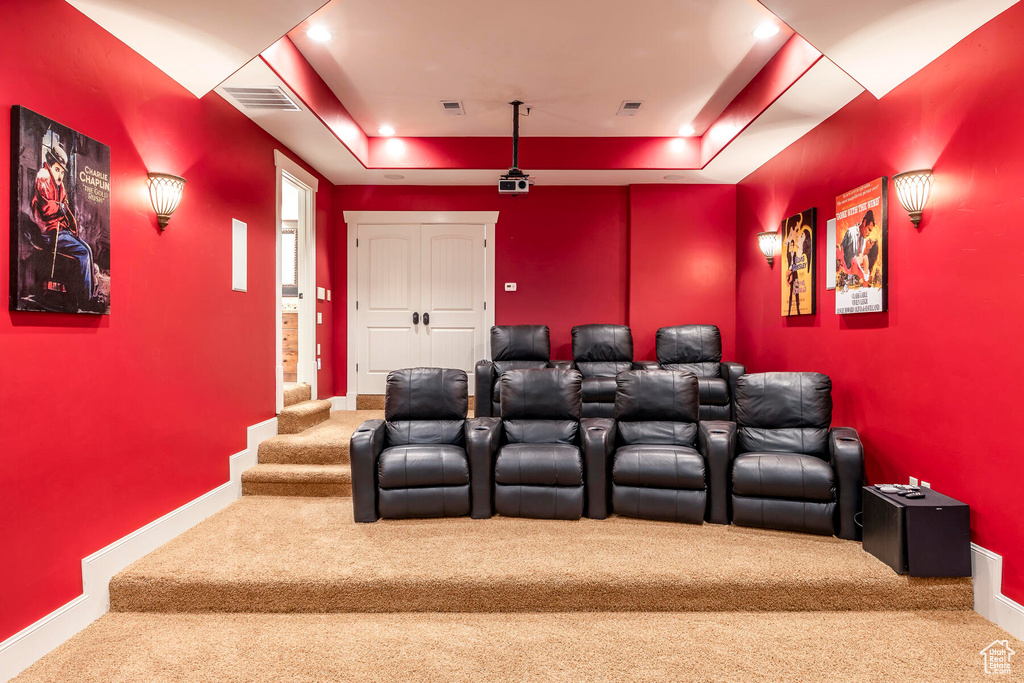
(284, 586)
(312, 461)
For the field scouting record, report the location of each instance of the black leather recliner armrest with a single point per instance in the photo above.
(847, 457)
(717, 443)
(483, 438)
(598, 438)
(730, 373)
(646, 365)
(365, 447)
(484, 387)
(562, 364)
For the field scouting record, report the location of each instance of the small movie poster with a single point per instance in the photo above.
(60, 218)
(797, 253)
(861, 262)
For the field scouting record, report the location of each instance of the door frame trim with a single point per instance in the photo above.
(353, 219)
(307, 272)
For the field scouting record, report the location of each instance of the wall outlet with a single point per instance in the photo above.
(319, 318)
(926, 485)
(510, 286)
(318, 365)
(913, 480)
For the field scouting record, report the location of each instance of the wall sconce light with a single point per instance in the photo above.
(769, 243)
(913, 188)
(165, 193)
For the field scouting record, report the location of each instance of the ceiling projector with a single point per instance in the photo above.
(515, 181)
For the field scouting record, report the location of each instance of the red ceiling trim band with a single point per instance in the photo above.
(285, 60)
(790, 63)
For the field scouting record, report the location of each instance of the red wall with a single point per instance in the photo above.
(565, 247)
(682, 261)
(107, 423)
(646, 256)
(933, 384)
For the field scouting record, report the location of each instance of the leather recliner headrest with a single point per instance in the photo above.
(520, 342)
(656, 395)
(541, 395)
(599, 343)
(426, 394)
(689, 344)
(777, 400)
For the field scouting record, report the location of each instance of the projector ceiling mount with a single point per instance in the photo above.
(515, 181)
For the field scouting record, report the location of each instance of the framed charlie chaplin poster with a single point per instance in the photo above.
(60, 218)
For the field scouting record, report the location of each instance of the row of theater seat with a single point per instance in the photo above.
(600, 352)
(778, 465)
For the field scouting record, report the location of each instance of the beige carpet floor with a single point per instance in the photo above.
(323, 444)
(266, 554)
(730, 646)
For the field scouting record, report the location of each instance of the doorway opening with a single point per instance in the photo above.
(297, 357)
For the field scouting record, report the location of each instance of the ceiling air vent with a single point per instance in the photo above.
(629, 107)
(263, 98)
(452, 107)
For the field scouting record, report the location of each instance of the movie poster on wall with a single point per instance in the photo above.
(60, 218)
(861, 262)
(797, 252)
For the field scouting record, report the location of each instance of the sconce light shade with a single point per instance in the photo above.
(165, 193)
(913, 188)
(769, 243)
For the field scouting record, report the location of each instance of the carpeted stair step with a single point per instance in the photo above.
(270, 554)
(301, 416)
(297, 480)
(323, 444)
(296, 393)
(625, 646)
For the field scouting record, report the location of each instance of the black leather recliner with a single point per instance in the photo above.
(663, 457)
(600, 352)
(513, 347)
(414, 462)
(792, 471)
(698, 349)
(537, 451)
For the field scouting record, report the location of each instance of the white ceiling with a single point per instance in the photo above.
(393, 61)
(198, 43)
(882, 43)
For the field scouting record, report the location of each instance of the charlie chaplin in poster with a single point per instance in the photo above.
(60, 218)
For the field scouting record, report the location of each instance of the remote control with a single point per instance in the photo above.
(915, 494)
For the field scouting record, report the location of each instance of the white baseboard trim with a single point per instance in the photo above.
(27, 646)
(989, 600)
(346, 402)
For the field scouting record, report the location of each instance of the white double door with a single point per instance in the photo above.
(420, 300)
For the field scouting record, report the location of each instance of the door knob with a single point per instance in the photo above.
(415, 318)
(426, 318)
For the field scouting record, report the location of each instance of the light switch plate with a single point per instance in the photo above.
(510, 286)
(318, 349)
(328, 295)
(317, 363)
(321, 293)
(319, 318)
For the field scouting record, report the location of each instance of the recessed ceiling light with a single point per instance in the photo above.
(386, 131)
(673, 177)
(318, 33)
(687, 131)
(394, 176)
(766, 30)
